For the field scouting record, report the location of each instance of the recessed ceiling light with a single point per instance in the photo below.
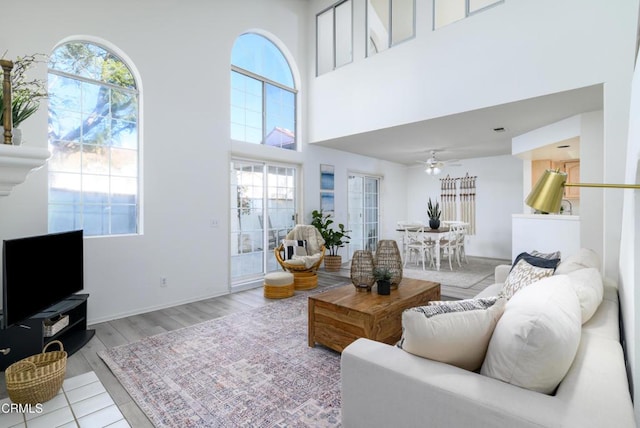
(564, 146)
(499, 129)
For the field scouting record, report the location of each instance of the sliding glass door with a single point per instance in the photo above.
(363, 200)
(263, 208)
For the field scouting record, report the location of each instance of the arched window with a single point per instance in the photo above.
(93, 138)
(263, 96)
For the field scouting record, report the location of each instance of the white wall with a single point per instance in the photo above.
(393, 190)
(513, 51)
(630, 245)
(182, 54)
(498, 196)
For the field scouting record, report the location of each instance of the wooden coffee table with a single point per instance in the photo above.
(338, 317)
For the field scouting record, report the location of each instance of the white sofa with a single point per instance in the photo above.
(385, 386)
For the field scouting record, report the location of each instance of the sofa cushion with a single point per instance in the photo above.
(585, 258)
(454, 332)
(587, 284)
(536, 339)
(523, 274)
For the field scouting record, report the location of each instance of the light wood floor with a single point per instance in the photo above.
(131, 329)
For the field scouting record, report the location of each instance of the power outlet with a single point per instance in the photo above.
(163, 281)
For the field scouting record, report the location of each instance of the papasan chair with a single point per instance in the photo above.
(301, 253)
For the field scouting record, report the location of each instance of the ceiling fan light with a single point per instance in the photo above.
(429, 170)
(436, 170)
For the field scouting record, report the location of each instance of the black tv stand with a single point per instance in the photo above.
(28, 337)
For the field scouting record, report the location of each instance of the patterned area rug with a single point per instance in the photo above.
(253, 369)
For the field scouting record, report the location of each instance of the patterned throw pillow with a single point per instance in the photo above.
(293, 247)
(521, 275)
(542, 262)
(452, 332)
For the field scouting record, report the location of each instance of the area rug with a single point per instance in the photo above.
(250, 369)
(465, 276)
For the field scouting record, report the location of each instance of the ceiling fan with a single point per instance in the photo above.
(433, 166)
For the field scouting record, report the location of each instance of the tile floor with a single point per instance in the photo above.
(83, 402)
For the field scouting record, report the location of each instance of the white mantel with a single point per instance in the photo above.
(16, 162)
(545, 233)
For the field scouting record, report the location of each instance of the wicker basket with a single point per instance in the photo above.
(37, 378)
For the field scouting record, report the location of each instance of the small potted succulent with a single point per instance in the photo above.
(433, 211)
(383, 276)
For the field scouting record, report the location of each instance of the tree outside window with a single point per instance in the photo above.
(93, 138)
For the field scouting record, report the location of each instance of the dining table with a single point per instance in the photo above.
(437, 234)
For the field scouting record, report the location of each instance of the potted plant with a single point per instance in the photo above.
(383, 277)
(25, 93)
(334, 239)
(433, 211)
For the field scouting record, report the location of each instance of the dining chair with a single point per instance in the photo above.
(417, 242)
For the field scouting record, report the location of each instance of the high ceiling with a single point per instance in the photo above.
(470, 134)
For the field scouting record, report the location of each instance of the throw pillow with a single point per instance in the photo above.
(536, 339)
(587, 284)
(456, 332)
(548, 256)
(536, 261)
(522, 275)
(294, 247)
(585, 258)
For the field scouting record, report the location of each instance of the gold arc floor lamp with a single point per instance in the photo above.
(547, 194)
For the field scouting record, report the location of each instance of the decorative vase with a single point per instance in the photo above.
(332, 263)
(434, 223)
(16, 138)
(388, 256)
(362, 270)
(384, 287)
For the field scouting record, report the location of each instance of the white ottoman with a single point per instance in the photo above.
(278, 285)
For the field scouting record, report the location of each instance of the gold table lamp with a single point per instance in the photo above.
(547, 194)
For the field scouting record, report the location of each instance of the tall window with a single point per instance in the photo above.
(447, 11)
(93, 138)
(263, 96)
(334, 37)
(389, 22)
(364, 212)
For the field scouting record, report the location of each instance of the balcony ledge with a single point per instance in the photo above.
(16, 162)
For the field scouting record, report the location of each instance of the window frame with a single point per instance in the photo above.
(390, 42)
(264, 81)
(78, 208)
(334, 44)
(467, 12)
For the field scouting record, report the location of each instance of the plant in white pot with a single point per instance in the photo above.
(333, 239)
(26, 93)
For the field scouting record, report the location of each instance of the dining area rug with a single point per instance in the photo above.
(462, 281)
(252, 368)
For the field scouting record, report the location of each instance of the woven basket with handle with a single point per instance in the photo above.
(37, 378)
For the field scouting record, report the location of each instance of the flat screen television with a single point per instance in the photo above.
(38, 272)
